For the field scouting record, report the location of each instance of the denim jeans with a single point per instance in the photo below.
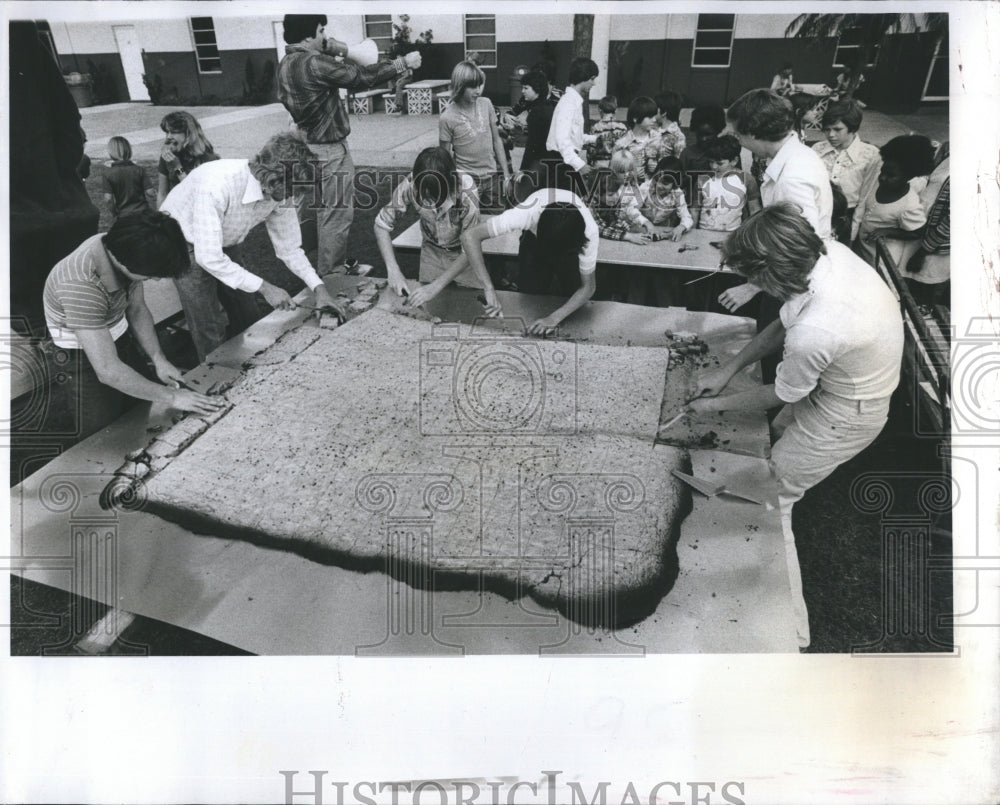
(75, 392)
(209, 305)
(327, 222)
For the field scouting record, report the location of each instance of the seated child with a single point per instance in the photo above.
(707, 123)
(662, 201)
(669, 140)
(615, 202)
(127, 188)
(892, 208)
(729, 192)
(447, 204)
(607, 130)
(640, 139)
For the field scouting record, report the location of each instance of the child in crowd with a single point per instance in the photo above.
(707, 123)
(616, 202)
(729, 194)
(928, 270)
(127, 189)
(184, 149)
(892, 208)
(607, 130)
(447, 205)
(849, 160)
(539, 105)
(662, 200)
(783, 83)
(468, 130)
(670, 139)
(641, 120)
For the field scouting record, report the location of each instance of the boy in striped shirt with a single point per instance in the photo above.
(94, 308)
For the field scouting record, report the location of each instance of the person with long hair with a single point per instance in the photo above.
(447, 205)
(468, 130)
(184, 149)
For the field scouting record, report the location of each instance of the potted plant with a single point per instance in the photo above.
(403, 42)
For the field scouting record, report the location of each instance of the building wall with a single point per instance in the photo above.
(648, 52)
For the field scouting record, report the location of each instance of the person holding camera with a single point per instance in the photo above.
(309, 80)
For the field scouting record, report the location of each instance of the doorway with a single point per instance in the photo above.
(132, 64)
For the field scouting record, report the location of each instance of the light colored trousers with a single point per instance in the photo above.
(434, 261)
(326, 223)
(817, 434)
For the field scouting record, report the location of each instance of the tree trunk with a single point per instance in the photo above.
(583, 43)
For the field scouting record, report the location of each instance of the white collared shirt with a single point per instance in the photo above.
(843, 335)
(797, 175)
(526, 214)
(218, 204)
(849, 168)
(566, 130)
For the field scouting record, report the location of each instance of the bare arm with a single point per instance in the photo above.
(769, 340)
(498, 149)
(756, 399)
(580, 297)
(99, 347)
(472, 246)
(395, 274)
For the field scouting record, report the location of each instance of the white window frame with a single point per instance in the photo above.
(466, 35)
(839, 47)
(194, 43)
(367, 19)
(729, 50)
(930, 70)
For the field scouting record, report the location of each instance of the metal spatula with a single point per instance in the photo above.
(711, 490)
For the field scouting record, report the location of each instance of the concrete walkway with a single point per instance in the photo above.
(237, 131)
(376, 140)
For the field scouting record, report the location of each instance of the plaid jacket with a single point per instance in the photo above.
(309, 86)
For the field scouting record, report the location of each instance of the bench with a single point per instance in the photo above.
(443, 100)
(420, 95)
(391, 108)
(361, 102)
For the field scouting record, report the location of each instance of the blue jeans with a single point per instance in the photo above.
(209, 305)
(326, 223)
(85, 403)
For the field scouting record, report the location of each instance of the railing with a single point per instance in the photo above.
(931, 347)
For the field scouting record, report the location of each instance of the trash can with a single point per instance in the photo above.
(515, 83)
(80, 87)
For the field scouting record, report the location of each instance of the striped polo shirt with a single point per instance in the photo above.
(75, 298)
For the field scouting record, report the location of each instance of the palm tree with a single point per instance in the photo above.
(870, 29)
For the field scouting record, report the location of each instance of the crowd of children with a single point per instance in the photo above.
(642, 179)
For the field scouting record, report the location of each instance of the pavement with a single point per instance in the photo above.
(376, 140)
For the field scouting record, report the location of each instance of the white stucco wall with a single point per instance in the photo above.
(534, 28)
